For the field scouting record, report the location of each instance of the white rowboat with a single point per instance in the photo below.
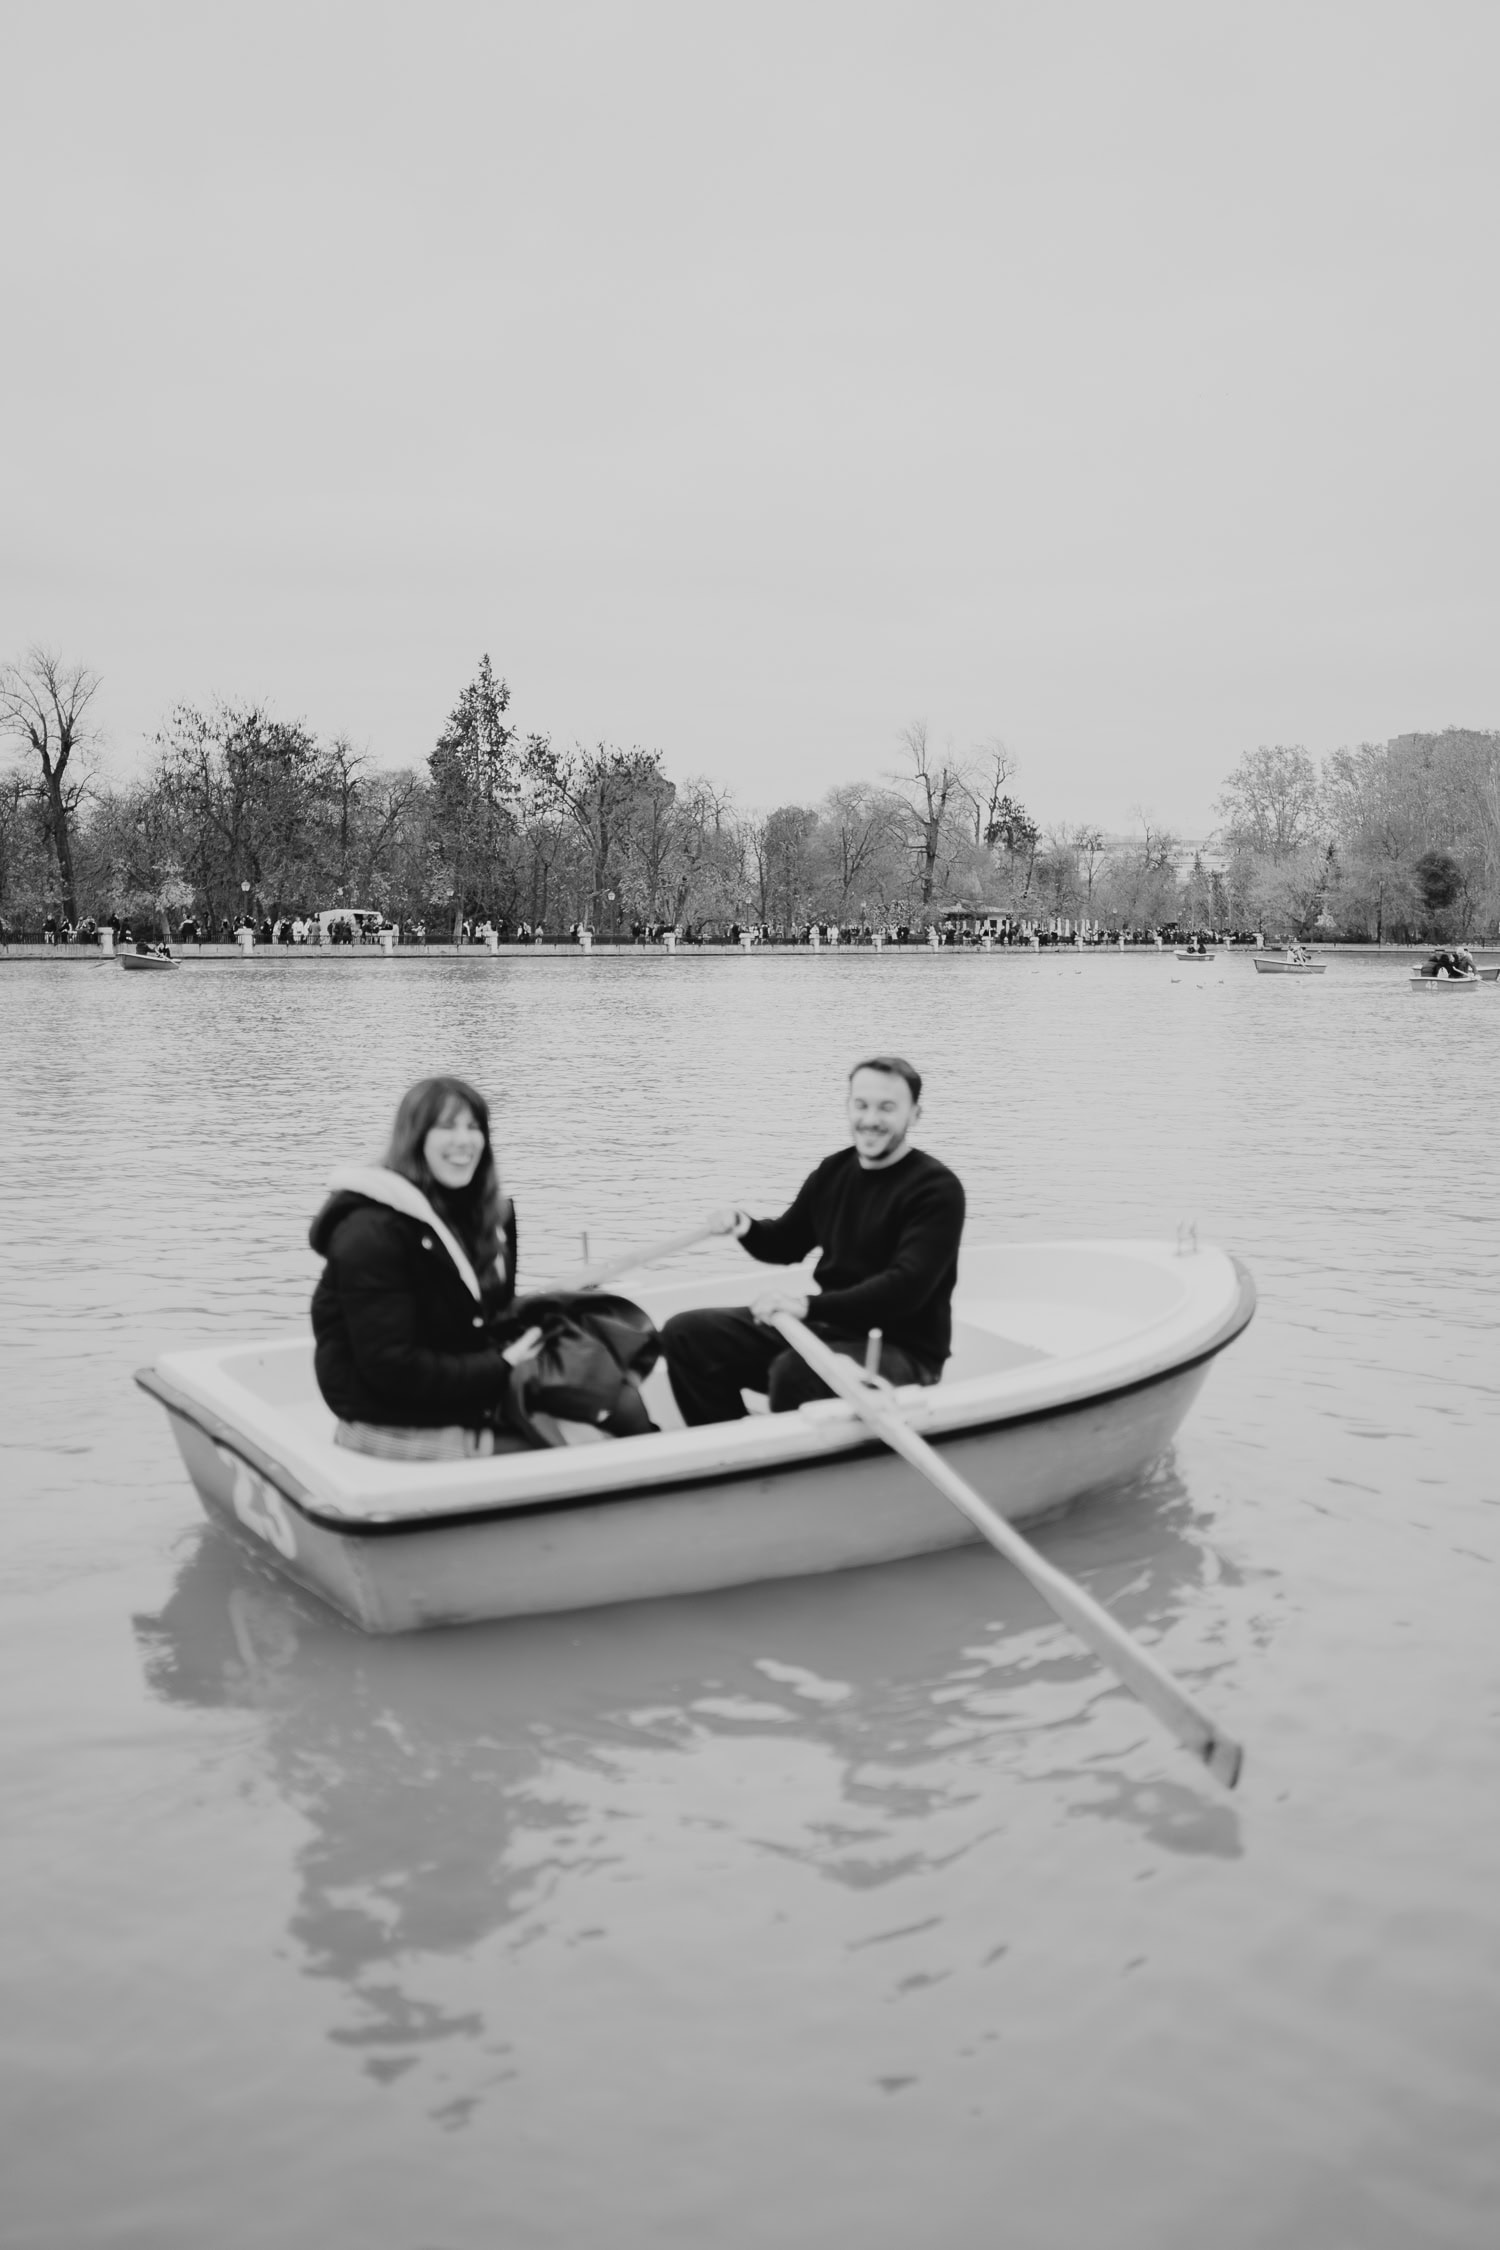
(146, 961)
(1419, 983)
(1073, 1365)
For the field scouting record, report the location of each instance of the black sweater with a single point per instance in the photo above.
(400, 1338)
(889, 1239)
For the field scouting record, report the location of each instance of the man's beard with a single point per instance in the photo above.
(886, 1144)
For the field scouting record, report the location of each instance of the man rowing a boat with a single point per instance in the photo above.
(885, 1218)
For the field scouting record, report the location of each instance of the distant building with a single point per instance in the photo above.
(1208, 850)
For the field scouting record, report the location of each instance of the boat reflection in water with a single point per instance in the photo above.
(500, 1782)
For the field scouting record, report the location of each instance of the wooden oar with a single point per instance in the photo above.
(594, 1277)
(1139, 1670)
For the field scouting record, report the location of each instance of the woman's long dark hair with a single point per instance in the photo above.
(475, 1212)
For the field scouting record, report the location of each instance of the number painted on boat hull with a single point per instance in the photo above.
(258, 1504)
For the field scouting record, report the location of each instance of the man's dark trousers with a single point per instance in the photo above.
(713, 1356)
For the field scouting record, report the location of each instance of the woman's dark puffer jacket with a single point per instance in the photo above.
(402, 1337)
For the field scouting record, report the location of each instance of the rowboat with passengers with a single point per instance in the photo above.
(1295, 961)
(1074, 1363)
(1448, 968)
(146, 957)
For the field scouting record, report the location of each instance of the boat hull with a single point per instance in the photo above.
(145, 961)
(1289, 968)
(1444, 985)
(865, 1507)
(1073, 1365)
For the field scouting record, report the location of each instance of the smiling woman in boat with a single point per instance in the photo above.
(421, 1258)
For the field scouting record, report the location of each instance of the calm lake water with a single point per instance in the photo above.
(863, 1910)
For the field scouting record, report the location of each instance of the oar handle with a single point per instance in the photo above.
(594, 1277)
(1134, 1665)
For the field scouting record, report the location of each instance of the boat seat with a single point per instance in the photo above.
(983, 1351)
(976, 1351)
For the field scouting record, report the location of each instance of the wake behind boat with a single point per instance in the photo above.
(1074, 1364)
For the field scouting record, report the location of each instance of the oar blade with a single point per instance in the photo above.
(1225, 1760)
(1132, 1664)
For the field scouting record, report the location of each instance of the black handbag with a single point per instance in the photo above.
(594, 1353)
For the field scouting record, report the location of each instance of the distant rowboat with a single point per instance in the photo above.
(1073, 1365)
(147, 961)
(1277, 965)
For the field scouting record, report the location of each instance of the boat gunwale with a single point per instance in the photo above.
(336, 1485)
(295, 1492)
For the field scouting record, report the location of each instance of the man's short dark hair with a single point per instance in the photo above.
(894, 1066)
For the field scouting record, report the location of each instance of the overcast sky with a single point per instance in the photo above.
(749, 380)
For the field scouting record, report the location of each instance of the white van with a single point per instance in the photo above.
(366, 921)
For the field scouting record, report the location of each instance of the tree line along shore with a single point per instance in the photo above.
(242, 817)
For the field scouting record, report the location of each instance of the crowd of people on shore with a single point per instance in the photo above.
(359, 926)
(947, 932)
(366, 927)
(60, 931)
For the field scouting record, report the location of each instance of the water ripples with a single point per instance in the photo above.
(864, 1904)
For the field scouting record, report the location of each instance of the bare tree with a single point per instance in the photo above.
(343, 776)
(780, 847)
(1159, 846)
(1061, 867)
(388, 806)
(44, 707)
(710, 859)
(1272, 803)
(987, 792)
(933, 785)
(242, 792)
(603, 792)
(1088, 844)
(655, 843)
(859, 824)
(1143, 889)
(18, 837)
